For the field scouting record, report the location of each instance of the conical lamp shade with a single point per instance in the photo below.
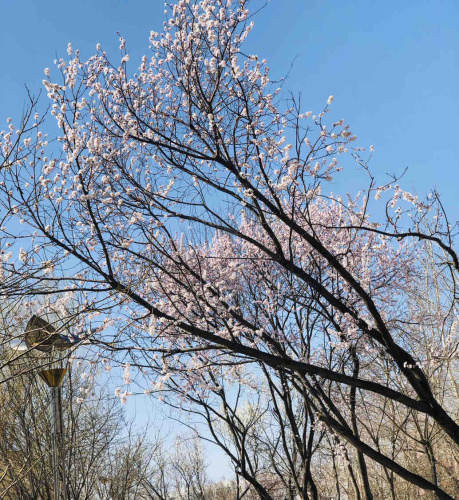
(53, 377)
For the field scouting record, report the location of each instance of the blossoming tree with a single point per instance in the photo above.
(184, 210)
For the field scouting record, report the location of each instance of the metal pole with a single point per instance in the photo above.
(53, 378)
(60, 486)
(56, 428)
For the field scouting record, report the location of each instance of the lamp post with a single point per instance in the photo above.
(42, 336)
(53, 378)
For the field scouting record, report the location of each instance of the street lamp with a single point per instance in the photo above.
(42, 336)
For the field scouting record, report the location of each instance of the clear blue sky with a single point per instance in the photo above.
(393, 67)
